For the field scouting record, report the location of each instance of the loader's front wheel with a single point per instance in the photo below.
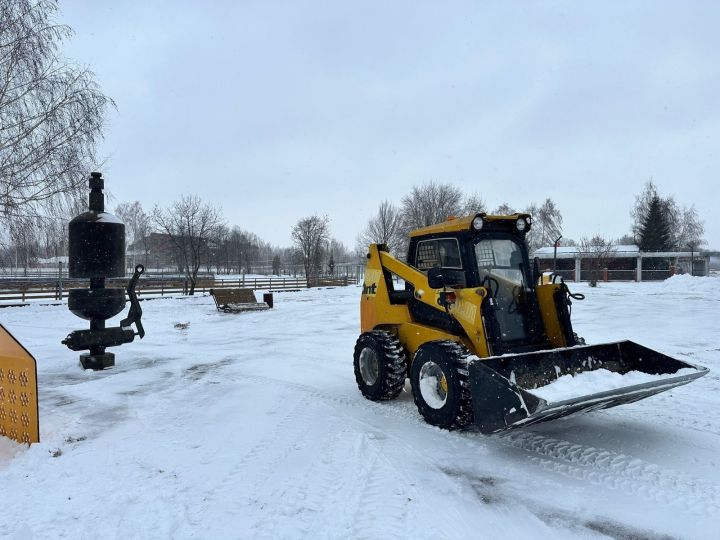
(380, 365)
(440, 386)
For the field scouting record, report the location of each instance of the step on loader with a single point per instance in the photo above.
(479, 332)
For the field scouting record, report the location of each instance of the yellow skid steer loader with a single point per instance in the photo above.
(480, 334)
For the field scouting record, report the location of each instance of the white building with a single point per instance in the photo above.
(621, 263)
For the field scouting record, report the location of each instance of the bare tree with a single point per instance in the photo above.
(293, 260)
(626, 240)
(341, 255)
(310, 235)
(546, 224)
(23, 234)
(692, 229)
(429, 204)
(384, 228)
(691, 233)
(597, 250)
(504, 210)
(473, 204)
(137, 228)
(244, 248)
(190, 224)
(51, 111)
(220, 254)
(339, 250)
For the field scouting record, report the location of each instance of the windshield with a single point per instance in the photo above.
(499, 258)
(500, 267)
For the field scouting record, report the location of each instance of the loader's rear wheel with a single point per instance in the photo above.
(440, 385)
(380, 365)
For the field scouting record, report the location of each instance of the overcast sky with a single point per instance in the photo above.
(278, 110)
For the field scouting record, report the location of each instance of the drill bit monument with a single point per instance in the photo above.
(96, 252)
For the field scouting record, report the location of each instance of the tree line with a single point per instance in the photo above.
(192, 235)
(658, 223)
(661, 224)
(433, 202)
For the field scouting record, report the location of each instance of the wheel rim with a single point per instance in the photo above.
(433, 385)
(369, 366)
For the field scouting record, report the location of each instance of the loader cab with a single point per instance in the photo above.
(493, 254)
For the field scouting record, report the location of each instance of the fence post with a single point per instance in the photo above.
(60, 282)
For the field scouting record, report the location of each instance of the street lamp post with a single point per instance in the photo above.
(555, 246)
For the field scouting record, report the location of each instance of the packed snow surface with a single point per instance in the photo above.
(596, 381)
(251, 426)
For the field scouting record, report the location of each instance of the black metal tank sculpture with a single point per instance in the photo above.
(96, 251)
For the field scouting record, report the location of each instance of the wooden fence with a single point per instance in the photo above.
(43, 289)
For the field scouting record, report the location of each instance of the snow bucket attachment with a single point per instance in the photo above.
(505, 389)
(18, 391)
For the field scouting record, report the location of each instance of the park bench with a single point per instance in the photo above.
(236, 300)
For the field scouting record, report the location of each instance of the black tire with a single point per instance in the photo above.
(447, 405)
(380, 365)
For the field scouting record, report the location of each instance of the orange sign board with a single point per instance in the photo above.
(18, 391)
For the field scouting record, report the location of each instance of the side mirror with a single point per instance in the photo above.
(536, 271)
(436, 280)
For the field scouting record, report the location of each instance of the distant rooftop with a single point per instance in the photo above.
(573, 250)
(619, 251)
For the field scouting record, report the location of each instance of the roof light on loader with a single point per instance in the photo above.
(479, 334)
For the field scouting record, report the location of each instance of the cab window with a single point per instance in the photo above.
(442, 252)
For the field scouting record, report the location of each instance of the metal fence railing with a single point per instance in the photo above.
(608, 275)
(43, 289)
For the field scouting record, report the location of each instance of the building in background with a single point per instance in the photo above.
(621, 263)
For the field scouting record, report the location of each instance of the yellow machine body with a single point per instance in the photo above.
(377, 311)
(489, 331)
(18, 391)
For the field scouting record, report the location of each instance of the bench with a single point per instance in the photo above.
(236, 300)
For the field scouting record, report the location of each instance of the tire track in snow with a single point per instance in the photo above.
(327, 489)
(599, 466)
(301, 498)
(679, 420)
(392, 455)
(619, 471)
(262, 459)
(380, 501)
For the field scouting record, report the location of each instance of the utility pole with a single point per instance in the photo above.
(555, 246)
(692, 259)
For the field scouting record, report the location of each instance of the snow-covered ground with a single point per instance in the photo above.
(251, 426)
